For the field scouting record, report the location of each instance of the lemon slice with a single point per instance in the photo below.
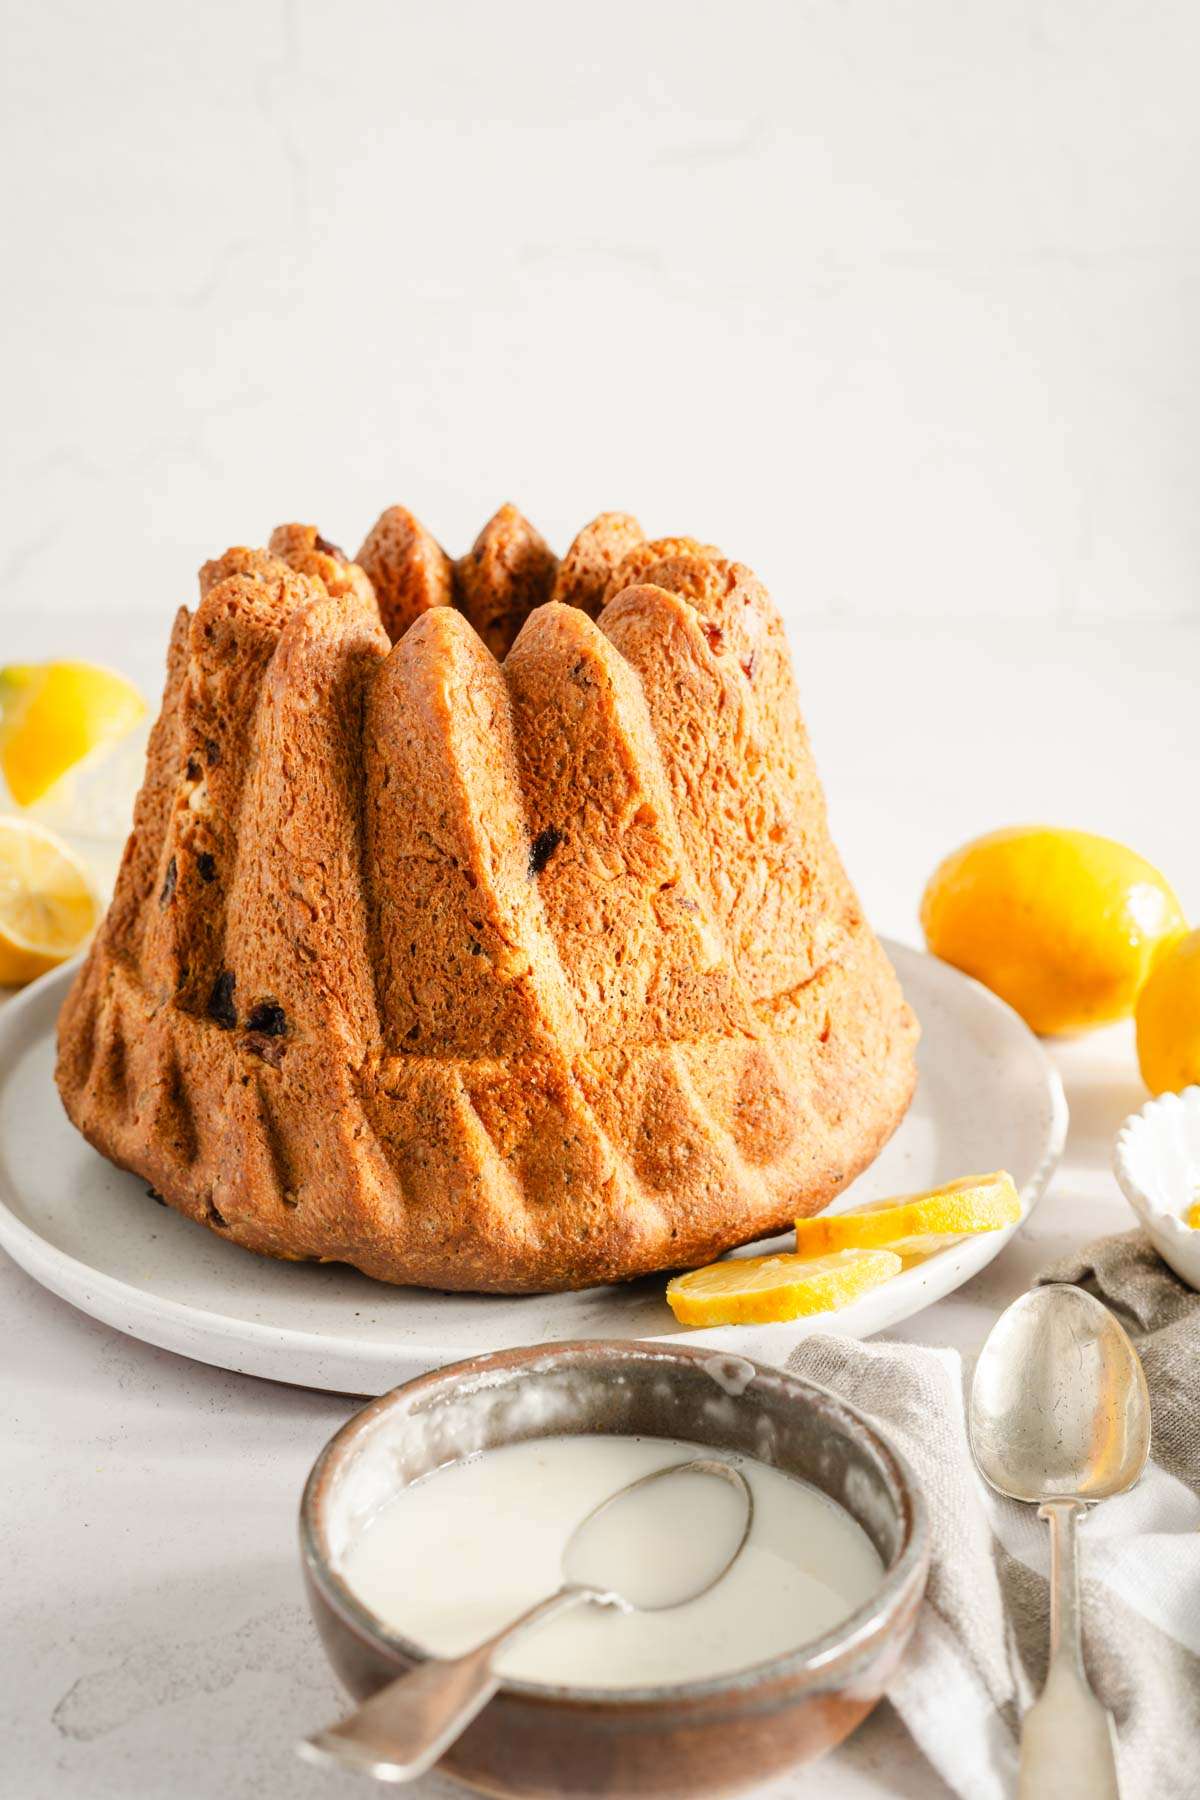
(916, 1224)
(47, 905)
(53, 715)
(760, 1290)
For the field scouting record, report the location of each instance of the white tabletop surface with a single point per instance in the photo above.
(154, 1636)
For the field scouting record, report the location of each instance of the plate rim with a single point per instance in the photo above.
(71, 1278)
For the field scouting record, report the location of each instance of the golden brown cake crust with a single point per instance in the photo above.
(511, 975)
(585, 571)
(304, 549)
(408, 569)
(300, 548)
(505, 575)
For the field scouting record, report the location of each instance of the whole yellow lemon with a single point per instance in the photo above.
(1063, 925)
(1168, 1019)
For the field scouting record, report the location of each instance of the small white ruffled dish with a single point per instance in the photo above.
(1156, 1160)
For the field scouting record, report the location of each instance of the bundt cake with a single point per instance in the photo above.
(480, 925)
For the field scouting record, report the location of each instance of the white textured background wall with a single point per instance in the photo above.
(898, 301)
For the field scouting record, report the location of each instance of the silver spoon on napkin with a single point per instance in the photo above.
(613, 1557)
(1060, 1417)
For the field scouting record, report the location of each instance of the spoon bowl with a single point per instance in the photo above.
(1059, 1405)
(613, 1552)
(1059, 1417)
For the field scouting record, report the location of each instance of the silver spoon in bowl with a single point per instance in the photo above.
(1060, 1418)
(609, 1560)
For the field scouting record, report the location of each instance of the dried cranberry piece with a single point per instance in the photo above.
(268, 1017)
(167, 893)
(323, 544)
(715, 636)
(221, 1009)
(207, 865)
(542, 849)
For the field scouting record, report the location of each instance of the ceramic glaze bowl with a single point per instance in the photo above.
(710, 1737)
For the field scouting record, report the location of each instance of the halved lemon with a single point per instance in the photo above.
(48, 908)
(762, 1290)
(916, 1224)
(53, 715)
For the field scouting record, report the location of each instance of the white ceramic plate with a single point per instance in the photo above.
(987, 1098)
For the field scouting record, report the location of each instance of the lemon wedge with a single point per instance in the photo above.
(47, 904)
(53, 715)
(761, 1290)
(916, 1224)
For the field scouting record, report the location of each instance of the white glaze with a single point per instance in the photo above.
(732, 1374)
(452, 1558)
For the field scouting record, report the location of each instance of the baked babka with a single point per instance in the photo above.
(480, 924)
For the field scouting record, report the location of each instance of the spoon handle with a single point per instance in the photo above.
(1067, 1746)
(400, 1732)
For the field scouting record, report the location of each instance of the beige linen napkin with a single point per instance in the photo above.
(979, 1652)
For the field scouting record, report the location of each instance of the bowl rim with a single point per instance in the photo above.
(841, 1645)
